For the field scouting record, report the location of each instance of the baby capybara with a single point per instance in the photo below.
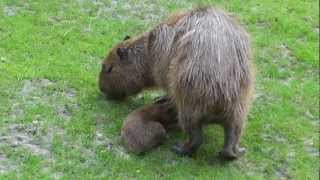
(202, 59)
(146, 127)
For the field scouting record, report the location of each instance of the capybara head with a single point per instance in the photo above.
(124, 70)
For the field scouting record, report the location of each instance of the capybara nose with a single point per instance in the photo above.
(111, 95)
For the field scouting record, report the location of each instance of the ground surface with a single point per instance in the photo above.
(54, 124)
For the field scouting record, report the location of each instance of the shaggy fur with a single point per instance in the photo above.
(202, 59)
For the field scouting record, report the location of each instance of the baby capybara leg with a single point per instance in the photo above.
(192, 127)
(233, 128)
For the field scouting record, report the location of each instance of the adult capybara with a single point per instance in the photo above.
(201, 58)
(147, 126)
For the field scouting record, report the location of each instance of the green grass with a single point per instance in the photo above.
(54, 124)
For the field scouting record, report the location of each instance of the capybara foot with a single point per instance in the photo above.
(180, 149)
(232, 154)
(228, 154)
(240, 151)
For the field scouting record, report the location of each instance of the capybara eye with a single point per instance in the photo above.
(109, 69)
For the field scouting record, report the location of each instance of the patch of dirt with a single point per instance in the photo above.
(259, 93)
(100, 139)
(69, 93)
(111, 144)
(280, 165)
(310, 116)
(10, 10)
(262, 96)
(31, 87)
(250, 168)
(310, 148)
(282, 169)
(286, 52)
(314, 120)
(282, 173)
(5, 164)
(32, 136)
(55, 19)
(43, 92)
(16, 110)
(20, 6)
(274, 138)
(286, 64)
(64, 111)
(144, 10)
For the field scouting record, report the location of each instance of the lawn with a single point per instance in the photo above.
(55, 124)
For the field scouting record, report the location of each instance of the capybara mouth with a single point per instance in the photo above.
(115, 96)
(111, 95)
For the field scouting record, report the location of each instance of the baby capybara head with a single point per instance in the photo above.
(124, 70)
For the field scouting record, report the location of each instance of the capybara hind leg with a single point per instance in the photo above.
(192, 127)
(232, 134)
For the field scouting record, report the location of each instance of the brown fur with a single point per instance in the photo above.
(202, 59)
(147, 127)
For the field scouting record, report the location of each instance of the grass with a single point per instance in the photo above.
(54, 124)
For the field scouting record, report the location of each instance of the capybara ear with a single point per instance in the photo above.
(126, 38)
(122, 52)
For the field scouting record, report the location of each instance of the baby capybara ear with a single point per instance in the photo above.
(126, 38)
